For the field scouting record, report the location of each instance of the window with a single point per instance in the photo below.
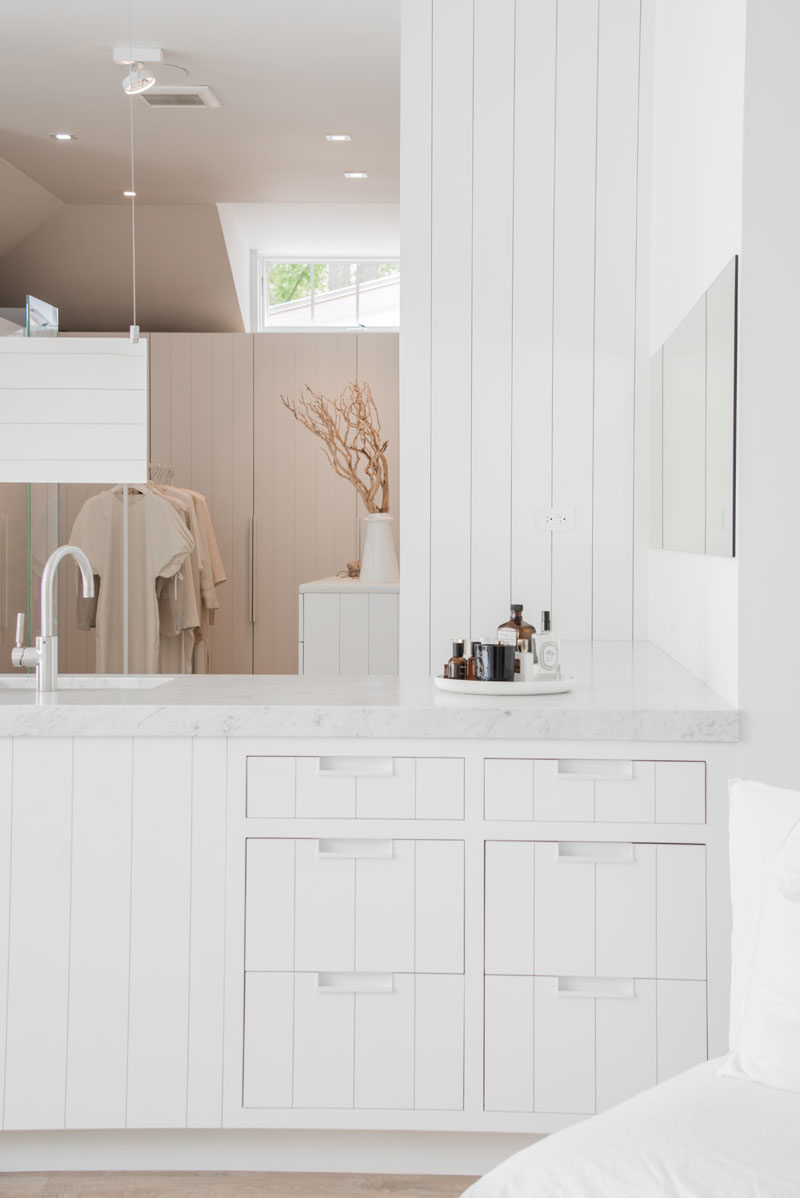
(336, 294)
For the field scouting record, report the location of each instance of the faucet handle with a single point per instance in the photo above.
(20, 639)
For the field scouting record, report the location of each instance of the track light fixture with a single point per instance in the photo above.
(137, 80)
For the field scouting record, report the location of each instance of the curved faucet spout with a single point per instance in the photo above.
(49, 579)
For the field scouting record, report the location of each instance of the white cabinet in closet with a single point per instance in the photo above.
(348, 627)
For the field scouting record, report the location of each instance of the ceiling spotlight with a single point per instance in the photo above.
(64, 136)
(137, 80)
(338, 137)
(356, 175)
(130, 194)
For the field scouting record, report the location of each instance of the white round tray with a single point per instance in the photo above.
(541, 686)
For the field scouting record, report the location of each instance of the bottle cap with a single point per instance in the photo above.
(545, 621)
(517, 607)
(458, 648)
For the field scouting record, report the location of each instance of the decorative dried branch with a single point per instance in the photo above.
(350, 430)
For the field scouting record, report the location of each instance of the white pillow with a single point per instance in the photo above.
(761, 818)
(768, 1041)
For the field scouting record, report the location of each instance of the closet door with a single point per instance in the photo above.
(201, 424)
(306, 517)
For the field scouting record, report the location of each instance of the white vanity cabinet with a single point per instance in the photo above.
(474, 935)
(348, 626)
(313, 932)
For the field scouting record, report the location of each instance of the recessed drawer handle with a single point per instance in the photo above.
(355, 849)
(355, 983)
(592, 853)
(594, 771)
(355, 767)
(596, 987)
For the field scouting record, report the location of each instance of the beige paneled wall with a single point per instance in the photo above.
(201, 424)
(216, 416)
(13, 564)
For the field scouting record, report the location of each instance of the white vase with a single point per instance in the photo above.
(378, 555)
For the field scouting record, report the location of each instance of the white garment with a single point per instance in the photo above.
(158, 544)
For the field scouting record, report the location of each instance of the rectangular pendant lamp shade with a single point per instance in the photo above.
(73, 410)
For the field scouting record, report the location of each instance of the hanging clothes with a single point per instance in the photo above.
(212, 576)
(159, 543)
(179, 598)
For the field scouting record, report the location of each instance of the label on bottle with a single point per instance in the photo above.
(507, 636)
(549, 655)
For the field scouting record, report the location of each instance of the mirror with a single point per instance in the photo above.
(693, 427)
(267, 240)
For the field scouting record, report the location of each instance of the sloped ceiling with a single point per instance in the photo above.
(24, 205)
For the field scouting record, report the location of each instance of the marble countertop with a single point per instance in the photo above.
(623, 692)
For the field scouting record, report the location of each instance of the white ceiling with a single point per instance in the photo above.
(286, 72)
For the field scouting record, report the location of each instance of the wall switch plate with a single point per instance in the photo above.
(552, 519)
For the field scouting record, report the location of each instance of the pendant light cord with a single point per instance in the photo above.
(133, 221)
(134, 326)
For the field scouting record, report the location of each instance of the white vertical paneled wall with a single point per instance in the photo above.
(524, 214)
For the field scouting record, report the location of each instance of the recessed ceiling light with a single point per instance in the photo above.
(64, 136)
(130, 194)
(356, 175)
(337, 137)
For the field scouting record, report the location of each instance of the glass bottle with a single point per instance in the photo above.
(515, 630)
(456, 667)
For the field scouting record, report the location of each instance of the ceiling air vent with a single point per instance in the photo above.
(199, 96)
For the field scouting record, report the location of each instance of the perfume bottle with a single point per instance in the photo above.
(515, 630)
(456, 667)
(548, 651)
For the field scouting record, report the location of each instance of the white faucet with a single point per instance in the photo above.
(45, 655)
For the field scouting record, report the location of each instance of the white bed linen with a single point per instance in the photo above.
(696, 1136)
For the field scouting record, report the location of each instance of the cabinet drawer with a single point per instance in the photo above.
(339, 787)
(595, 791)
(364, 1041)
(578, 1045)
(355, 905)
(595, 908)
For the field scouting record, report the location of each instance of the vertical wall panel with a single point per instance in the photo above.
(158, 1021)
(99, 933)
(532, 329)
(615, 317)
(451, 316)
(573, 310)
(416, 146)
(38, 956)
(207, 944)
(492, 283)
(6, 767)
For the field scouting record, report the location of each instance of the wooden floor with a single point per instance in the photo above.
(227, 1185)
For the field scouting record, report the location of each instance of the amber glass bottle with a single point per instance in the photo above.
(456, 667)
(515, 628)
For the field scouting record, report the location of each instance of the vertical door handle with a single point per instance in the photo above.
(252, 571)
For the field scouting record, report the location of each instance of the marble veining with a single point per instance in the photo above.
(623, 692)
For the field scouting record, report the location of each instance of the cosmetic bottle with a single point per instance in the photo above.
(471, 668)
(548, 651)
(515, 630)
(526, 661)
(456, 667)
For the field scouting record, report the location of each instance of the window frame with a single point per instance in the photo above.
(265, 261)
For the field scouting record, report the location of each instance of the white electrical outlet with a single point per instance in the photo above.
(551, 519)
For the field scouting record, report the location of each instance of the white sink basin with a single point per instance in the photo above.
(87, 682)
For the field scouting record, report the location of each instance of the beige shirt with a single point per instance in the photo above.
(158, 544)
